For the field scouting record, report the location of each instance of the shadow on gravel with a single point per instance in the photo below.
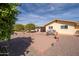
(17, 46)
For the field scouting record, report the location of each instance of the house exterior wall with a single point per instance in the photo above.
(38, 30)
(57, 26)
(77, 27)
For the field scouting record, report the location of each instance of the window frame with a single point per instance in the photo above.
(64, 26)
(50, 27)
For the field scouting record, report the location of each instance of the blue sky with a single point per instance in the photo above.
(42, 13)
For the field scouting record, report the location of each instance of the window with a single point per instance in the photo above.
(50, 27)
(64, 27)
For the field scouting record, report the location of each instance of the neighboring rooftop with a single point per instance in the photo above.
(55, 20)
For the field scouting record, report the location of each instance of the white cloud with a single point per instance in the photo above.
(35, 16)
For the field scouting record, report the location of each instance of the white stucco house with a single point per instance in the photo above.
(63, 26)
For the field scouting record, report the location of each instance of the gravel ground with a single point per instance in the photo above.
(66, 46)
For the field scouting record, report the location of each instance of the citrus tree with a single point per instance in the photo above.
(8, 13)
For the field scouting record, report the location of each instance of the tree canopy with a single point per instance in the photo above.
(30, 27)
(19, 27)
(8, 13)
